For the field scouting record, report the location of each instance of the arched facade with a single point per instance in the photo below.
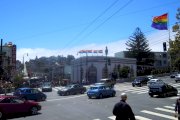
(91, 69)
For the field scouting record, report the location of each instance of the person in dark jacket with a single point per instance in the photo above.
(177, 108)
(122, 110)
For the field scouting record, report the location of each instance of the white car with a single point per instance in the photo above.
(177, 78)
(155, 82)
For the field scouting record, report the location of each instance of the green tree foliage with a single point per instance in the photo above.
(138, 47)
(18, 81)
(124, 71)
(175, 44)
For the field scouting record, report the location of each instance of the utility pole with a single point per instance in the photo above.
(106, 52)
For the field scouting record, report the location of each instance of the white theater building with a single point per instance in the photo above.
(93, 68)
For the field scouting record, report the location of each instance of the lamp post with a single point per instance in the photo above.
(106, 71)
(25, 74)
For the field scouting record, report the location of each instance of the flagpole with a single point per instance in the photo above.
(169, 43)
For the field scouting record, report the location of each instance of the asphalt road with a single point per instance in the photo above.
(79, 107)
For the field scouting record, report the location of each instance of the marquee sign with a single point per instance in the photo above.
(90, 51)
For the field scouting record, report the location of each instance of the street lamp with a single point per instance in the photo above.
(25, 69)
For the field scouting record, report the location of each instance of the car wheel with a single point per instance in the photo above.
(82, 92)
(113, 94)
(1, 115)
(140, 85)
(24, 99)
(163, 95)
(89, 97)
(150, 95)
(43, 98)
(175, 94)
(100, 96)
(68, 93)
(34, 110)
(133, 85)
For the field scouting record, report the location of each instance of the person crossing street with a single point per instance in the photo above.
(122, 110)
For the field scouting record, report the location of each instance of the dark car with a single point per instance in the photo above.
(72, 89)
(173, 75)
(46, 87)
(162, 90)
(100, 91)
(140, 81)
(30, 94)
(11, 105)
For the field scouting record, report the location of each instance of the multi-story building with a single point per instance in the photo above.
(93, 68)
(160, 58)
(8, 59)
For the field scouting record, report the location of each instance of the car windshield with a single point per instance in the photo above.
(1, 99)
(93, 88)
(69, 86)
(139, 79)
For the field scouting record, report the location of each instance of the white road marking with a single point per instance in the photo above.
(169, 107)
(65, 98)
(112, 117)
(137, 118)
(165, 110)
(141, 118)
(160, 115)
(176, 97)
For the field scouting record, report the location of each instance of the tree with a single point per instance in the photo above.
(174, 49)
(138, 47)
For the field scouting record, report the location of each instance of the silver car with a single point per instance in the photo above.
(177, 78)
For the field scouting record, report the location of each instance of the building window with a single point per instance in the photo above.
(164, 55)
(165, 62)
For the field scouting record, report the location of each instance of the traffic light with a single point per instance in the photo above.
(164, 46)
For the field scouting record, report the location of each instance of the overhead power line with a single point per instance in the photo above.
(91, 23)
(125, 5)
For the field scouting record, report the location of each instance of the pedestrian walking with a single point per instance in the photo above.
(122, 110)
(177, 108)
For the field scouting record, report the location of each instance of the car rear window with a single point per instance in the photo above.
(93, 88)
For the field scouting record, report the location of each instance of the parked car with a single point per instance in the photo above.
(140, 81)
(12, 105)
(177, 78)
(72, 89)
(162, 90)
(100, 91)
(155, 81)
(46, 87)
(151, 77)
(30, 94)
(173, 75)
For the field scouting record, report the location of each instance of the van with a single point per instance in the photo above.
(108, 82)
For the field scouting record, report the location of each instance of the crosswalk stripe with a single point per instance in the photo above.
(142, 92)
(96, 119)
(112, 117)
(165, 110)
(137, 118)
(141, 118)
(169, 107)
(176, 97)
(159, 114)
(55, 89)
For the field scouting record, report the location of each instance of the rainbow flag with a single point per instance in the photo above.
(160, 22)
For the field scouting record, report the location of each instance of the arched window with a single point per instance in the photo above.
(92, 74)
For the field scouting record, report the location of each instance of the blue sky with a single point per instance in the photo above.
(62, 27)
